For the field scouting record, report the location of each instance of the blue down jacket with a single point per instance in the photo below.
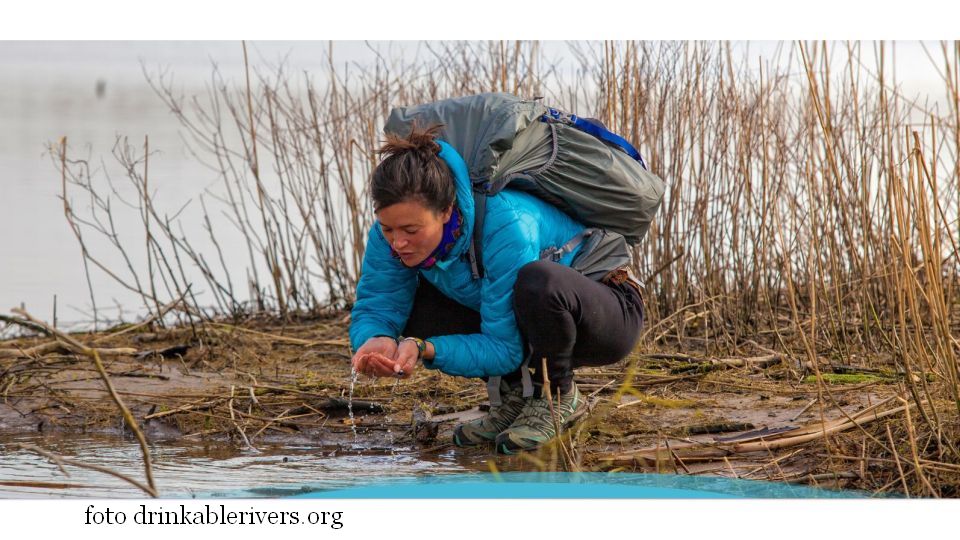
(517, 227)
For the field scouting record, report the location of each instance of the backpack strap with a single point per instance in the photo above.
(493, 391)
(525, 377)
(526, 380)
(595, 128)
(555, 254)
(474, 252)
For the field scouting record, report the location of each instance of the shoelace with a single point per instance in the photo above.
(538, 409)
(505, 414)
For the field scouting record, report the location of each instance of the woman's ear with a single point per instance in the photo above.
(445, 217)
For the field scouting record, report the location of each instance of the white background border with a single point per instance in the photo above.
(487, 19)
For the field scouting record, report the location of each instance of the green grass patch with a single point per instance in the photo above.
(848, 378)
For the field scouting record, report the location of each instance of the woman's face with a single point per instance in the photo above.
(412, 229)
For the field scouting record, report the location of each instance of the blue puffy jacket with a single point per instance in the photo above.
(516, 228)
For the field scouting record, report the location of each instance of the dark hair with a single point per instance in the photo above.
(412, 170)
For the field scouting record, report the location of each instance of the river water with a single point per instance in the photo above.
(205, 469)
(211, 470)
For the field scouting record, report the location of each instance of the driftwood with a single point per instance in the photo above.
(60, 347)
(168, 352)
(360, 407)
(203, 405)
(762, 441)
(711, 364)
(62, 343)
(719, 427)
(23, 323)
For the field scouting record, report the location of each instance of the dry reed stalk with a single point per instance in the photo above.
(233, 420)
(896, 457)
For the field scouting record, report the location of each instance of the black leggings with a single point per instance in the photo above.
(567, 318)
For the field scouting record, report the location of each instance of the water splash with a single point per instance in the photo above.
(354, 375)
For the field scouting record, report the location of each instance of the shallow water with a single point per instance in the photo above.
(210, 470)
(207, 469)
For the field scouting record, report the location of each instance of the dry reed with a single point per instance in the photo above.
(810, 204)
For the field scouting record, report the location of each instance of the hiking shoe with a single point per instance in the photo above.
(486, 428)
(535, 425)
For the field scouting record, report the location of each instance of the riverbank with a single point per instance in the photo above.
(763, 414)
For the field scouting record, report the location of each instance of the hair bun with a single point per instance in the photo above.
(420, 140)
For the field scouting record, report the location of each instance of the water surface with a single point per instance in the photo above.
(207, 469)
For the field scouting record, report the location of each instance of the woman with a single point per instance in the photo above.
(416, 283)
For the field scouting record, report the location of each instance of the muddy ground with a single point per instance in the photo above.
(761, 414)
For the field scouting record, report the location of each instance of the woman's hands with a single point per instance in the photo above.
(375, 357)
(382, 357)
(406, 359)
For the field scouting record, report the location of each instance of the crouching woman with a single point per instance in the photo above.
(417, 300)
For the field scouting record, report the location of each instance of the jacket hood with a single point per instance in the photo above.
(461, 179)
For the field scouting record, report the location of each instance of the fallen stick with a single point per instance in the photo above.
(669, 356)
(57, 346)
(236, 425)
(800, 439)
(329, 402)
(719, 427)
(805, 409)
(695, 451)
(807, 478)
(813, 428)
(188, 407)
(32, 352)
(23, 323)
(755, 362)
(127, 415)
(287, 339)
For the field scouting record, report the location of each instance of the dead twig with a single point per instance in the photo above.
(127, 415)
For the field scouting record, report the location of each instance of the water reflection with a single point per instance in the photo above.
(200, 469)
(211, 470)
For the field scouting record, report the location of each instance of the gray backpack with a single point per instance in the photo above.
(574, 163)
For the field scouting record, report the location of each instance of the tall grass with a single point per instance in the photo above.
(810, 203)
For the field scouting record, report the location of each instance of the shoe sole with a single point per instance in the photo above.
(470, 444)
(467, 443)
